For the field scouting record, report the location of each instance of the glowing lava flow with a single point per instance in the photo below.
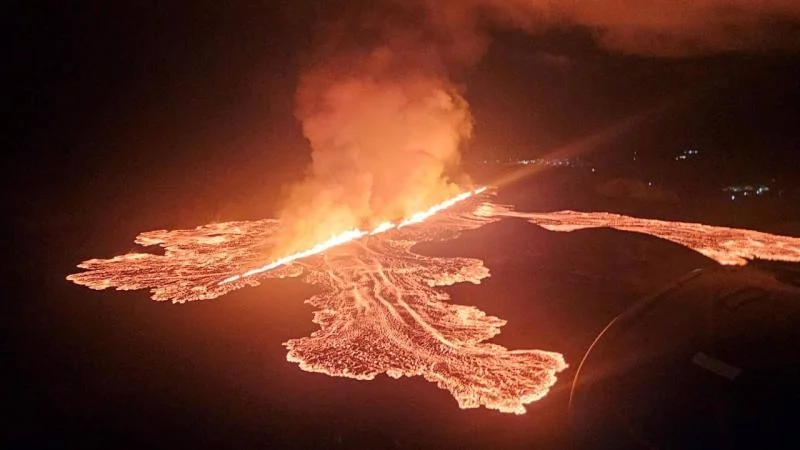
(380, 310)
(729, 246)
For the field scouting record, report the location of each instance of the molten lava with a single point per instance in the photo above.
(727, 246)
(380, 310)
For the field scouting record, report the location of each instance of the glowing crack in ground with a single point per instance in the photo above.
(380, 310)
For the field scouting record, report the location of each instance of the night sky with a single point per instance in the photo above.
(129, 116)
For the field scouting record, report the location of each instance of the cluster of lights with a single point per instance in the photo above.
(550, 162)
(746, 190)
(543, 162)
(686, 154)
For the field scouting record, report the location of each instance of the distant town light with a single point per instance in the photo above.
(747, 190)
(686, 154)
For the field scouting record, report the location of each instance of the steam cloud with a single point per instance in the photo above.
(385, 119)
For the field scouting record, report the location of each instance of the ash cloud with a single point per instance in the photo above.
(385, 120)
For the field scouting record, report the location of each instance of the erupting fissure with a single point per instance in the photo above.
(351, 235)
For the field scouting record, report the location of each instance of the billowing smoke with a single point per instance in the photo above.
(385, 121)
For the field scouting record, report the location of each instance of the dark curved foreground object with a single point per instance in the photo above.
(711, 361)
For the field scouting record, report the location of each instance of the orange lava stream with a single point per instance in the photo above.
(727, 246)
(352, 235)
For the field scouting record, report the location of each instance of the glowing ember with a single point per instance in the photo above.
(728, 246)
(379, 312)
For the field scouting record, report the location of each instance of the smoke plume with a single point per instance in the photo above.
(385, 120)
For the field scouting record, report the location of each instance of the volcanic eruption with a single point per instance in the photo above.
(384, 115)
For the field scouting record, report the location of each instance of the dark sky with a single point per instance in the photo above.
(154, 98)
